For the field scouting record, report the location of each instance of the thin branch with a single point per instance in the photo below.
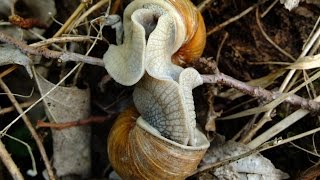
(83, 122)
(8, 71)
(64, 56)
(61, 40)
(265, 35)
(279, 127)
(225, 36)
(269, 8)
(66, 26)
(12, 108)
(31, 129)
(9, 163)
(259, 92)
(289, 79)
(235, 18)
(89, 11)
(204, 5)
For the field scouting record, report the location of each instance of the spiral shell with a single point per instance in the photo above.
(195, 41)
(137, 151)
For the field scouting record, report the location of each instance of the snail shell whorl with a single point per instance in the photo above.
(136, 152)
(195, 41)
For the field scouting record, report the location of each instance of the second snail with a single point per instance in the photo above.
(158, 139)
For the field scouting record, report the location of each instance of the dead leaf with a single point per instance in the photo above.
(290, 4)
(252, 167)
(71, 147)
(11, 55)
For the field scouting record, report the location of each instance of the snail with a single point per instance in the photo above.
(137, 151)
(157, 34)
(162, 141)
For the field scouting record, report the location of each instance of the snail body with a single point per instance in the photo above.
(158, 34)
(138, 151)
(161, 141)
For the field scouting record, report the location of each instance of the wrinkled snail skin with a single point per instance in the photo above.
(178, 25)
(168, 105)
(136, 151)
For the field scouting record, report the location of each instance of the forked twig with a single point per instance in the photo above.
(9, 163)
(30, 128)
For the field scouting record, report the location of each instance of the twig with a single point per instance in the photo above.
(64, 56)
(305, 150)
(12, 108)
(66, 26)
(31, 129)
(226, 35)
(89, 11)
(115, 7)
(31, 172)
(269, 8)
(8, 71)
(61, 40)
(83, 122)
(9, 163)
(304, 53)
(204, 5)
(223, 79)
(235, 18)
(279, 127)
(311, 173)
(267, 116)
(269, 39)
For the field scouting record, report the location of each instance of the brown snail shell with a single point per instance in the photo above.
(195, 41)
(136, 151)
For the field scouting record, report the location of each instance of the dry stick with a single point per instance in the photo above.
(304, 53)
(61, 40)
(115, 6)
(280, 126)
(9, 163)
(226, 35)
(269, 39)
(269, 8)
(83, 122)
(64, 56)
(235, 18)
(66, 26)
(31, 129)
(267, 116)
(8, 71)
(259, 92)
(89, 11)
(311, 173)
(204, 5)
(12, 108)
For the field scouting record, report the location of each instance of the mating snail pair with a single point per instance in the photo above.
(163, 142)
